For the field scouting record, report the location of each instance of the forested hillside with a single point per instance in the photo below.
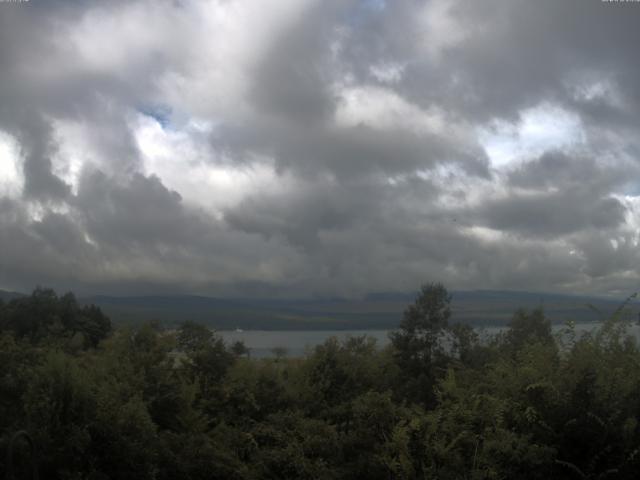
(149, 403)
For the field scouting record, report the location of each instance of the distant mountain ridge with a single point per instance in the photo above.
(7, 295)
(374, 311)
(381, 310)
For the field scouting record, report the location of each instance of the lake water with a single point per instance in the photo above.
(296, 342)
(299, 342)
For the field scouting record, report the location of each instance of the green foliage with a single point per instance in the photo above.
(45, 317)
(147, 403)
(418, 342)
(193, 336)
(526, 328)
(293, 446)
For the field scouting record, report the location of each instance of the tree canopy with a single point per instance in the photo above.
(437, 402)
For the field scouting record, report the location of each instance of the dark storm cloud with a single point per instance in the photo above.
(141, 215)
(137, 235)
(605, 258)
(374, 190)
(559, 170)
(40, 251)
(293, 79)
(551, 215)
(40, 182)
(526, 51)
(143, 211)
(314, 209)
(45, 78)
(20, 49)
(350, 152)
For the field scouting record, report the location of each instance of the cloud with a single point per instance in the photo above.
(305, 147)
(11, 167)
(553, 214)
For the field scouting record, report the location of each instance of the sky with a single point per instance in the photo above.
(300, 148)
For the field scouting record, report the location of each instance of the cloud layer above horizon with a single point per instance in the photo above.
(308, 147)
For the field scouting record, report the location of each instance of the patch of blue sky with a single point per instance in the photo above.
(540, 129)
(363, 9)
(631, 188)
(375, 4)
(160, 113)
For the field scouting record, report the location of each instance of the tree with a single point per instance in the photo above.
(94, 324)
(45, 317)
(238, 348)
(279, 352)
(466, 346)
(526, 328)
(207, 358)
(193, 336)
(417, 342)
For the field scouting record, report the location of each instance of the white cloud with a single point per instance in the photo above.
(384, 109)
(539, 129)
(113, 40)
(185, 162)
(632, 204)
(387, 72)
(595, 88)
(220, 45)
(441, 28)
(75, 150)
(11, 162)
(202, 51)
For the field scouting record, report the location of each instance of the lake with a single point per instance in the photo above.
(298, 342)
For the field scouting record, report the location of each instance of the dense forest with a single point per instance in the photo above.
(148, 403)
